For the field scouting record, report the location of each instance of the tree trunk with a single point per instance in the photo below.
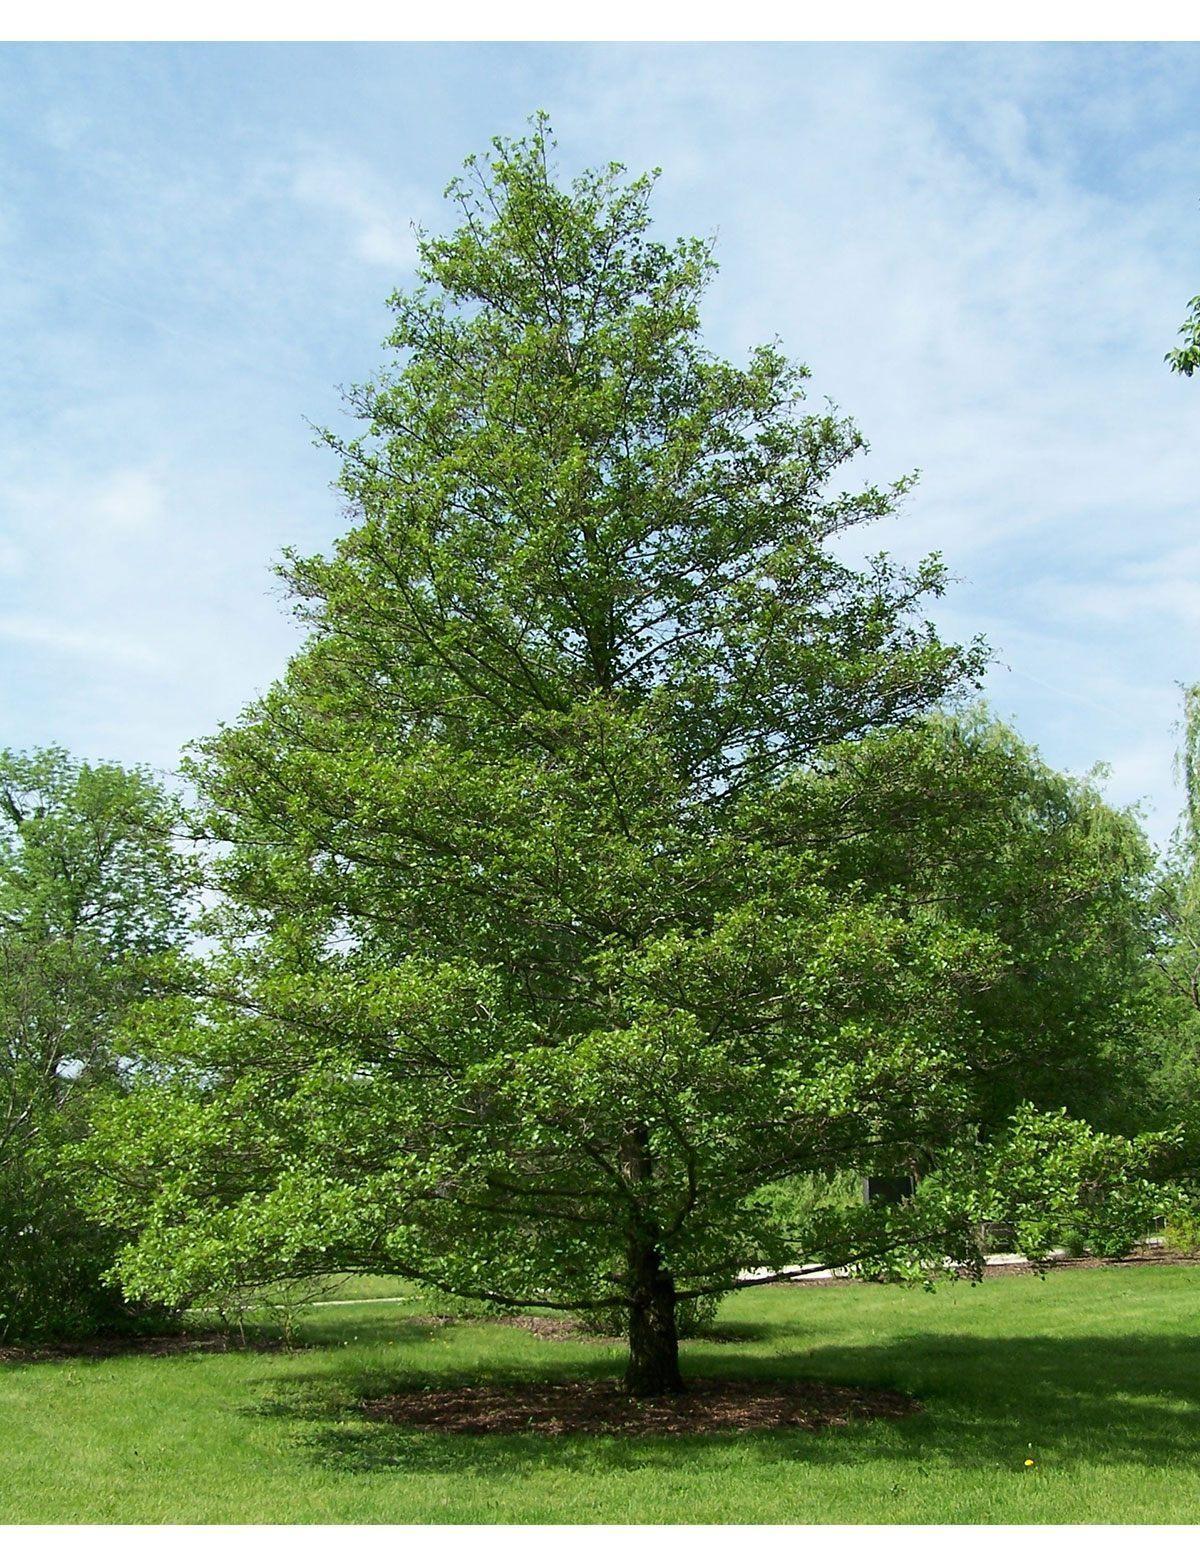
(653, 1367)
(653, 1337)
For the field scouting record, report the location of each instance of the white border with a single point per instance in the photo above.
(377, 1542)
(614, 21)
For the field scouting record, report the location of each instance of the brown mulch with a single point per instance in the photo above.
(603, 1408)
(556, 1329)
(149, 1343)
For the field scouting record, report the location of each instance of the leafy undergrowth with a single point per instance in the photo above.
(1076, 1399)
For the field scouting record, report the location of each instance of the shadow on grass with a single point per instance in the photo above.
(164, 1345)
(1119, 1399)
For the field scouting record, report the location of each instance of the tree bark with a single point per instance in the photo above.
(653, 1335)
(653, 1367)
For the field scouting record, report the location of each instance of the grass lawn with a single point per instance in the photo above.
(1094, 1373)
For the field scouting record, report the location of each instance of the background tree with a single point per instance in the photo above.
(958, 814)
(91, 889)
(534, 966)
(1174, 1093)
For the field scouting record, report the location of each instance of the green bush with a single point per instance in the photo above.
(1181, 1233)
(53, 1263)
(794, 1203)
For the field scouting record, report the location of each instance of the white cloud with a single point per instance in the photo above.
(983, 256)
(378, 226)
(96, 509)
(92, 646)
(130, 500)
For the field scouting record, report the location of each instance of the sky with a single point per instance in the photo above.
(981, 252)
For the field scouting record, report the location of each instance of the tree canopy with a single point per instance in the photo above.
(92, 889)
(555, 918)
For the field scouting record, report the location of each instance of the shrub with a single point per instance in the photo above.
(53, 1265)
(1181, 1233)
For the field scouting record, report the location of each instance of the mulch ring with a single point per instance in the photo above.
(108, 1347)
(603, 1408)
(555, 1329)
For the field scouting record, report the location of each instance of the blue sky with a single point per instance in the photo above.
(982, 253)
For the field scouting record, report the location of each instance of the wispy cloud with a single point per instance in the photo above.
(130, 500)
(373, 220)
(983, 253)
(78, 644)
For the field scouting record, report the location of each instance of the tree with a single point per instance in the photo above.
(1186, 359)
(1178, 889)
(91, 889)
(960, 813)
(531, 969)
(1175, 1087)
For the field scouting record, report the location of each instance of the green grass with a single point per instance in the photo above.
(1094, 1373)
(359, 1286)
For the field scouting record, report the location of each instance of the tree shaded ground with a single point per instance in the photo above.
(1093, 1374)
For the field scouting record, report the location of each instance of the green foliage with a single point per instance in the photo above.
(1057, 1182)
(1186, 359)
(1181, 1232)
(795, 1201)
(957, 819)
(52, 1259)
(579, 879)
(91, 891)
(1054, 1180)
(1173, 1038)
(86, 854)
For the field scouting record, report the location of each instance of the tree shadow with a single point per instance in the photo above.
(741, 1332)
(1128, 1398)
(1125, 1399)
(150, 1345)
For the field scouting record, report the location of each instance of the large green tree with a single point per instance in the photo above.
(535, 962)
(959, 814)
(92, 890)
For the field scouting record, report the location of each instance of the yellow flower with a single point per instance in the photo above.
(1029, 1463)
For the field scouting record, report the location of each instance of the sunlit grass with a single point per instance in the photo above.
(1073, 1400)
